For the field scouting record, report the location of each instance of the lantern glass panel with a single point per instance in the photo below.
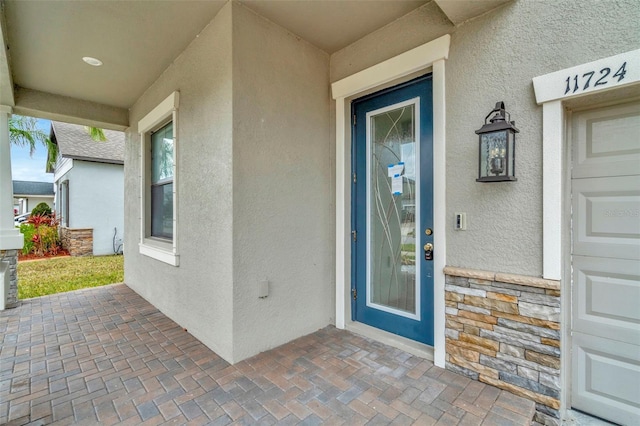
(511, 154)
(493, 154)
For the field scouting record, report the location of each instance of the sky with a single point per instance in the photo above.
(25, 167)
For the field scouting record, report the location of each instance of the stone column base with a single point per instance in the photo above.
(11, 257)
(79, 242)
(504, 330)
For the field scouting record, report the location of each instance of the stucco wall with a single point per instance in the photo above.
(198, 293)
(418, 27)
(96, 200)
(283, 185)
(494, 58)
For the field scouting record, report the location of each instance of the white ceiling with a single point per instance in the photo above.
(137, 40)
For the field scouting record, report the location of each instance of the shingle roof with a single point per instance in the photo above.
(74, 142)
(22, 187)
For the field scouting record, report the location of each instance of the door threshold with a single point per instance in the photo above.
(575, 417)
(411, 346)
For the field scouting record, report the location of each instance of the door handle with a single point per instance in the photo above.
(428, 251)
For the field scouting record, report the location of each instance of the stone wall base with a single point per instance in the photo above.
(11, 257)
(504, 330)
(79, 242)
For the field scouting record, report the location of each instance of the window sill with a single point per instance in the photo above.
(159, 250)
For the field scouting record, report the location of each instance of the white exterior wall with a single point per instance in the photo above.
(96, 200)
(494, 58)
(63, 165)
(283, 187)
(198, 293)
(32, 201)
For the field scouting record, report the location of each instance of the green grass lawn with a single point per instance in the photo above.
(57, 275)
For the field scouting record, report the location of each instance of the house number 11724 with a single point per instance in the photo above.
(581, 83)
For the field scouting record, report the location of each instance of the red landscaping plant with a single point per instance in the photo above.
(45, 239)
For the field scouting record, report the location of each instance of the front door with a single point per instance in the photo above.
(605, 327)
(392, 210)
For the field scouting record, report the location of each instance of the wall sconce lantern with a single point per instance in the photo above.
(497, 147)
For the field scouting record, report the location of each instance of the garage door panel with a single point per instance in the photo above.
(606, 298)
(607, 221)
(606, 378)
(609, 141)
(605, 288)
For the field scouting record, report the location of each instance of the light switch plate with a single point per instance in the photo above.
(460, 222)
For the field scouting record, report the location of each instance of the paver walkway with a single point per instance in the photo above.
(106, 356)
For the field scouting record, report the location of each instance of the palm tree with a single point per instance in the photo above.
(96, 134)
(24, 132)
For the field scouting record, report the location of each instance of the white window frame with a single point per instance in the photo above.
(161, 249)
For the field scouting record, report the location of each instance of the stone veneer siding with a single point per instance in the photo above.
(504, 330)
(11, 257)
(79, 241)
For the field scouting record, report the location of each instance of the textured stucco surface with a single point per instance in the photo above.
(96, 200)
(505, 220)
(283, 187)
(418, 27)
(198, 293)
(256, 159)
(255, 188)
(494, 58)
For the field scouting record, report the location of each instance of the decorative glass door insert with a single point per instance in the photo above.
(392, 197)
(392, 210)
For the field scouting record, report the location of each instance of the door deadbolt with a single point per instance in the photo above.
(428, 251)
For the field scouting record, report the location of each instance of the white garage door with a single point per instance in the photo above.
(605, 202)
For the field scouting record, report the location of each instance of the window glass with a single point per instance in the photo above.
(162, 154)
(162, 210)
(162, 182)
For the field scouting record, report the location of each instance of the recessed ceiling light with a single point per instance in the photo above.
(92, 61)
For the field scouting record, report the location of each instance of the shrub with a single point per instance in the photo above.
(41, 235)
(28, 230)
(41, 209)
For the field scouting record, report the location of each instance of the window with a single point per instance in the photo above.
(64, 203)
(162, 182)
(159, 145)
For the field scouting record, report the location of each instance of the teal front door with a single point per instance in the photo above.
(392, 210)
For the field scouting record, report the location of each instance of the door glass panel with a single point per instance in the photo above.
(392, 209)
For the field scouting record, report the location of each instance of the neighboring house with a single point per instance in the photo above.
(27, 195)
(259, 205)
(89, 184)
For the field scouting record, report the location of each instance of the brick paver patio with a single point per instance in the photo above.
(106, 356)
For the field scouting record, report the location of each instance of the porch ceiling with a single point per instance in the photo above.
(42, 72)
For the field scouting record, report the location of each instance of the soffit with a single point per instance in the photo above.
(138, 40)
(459, 11)
(333, 24)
